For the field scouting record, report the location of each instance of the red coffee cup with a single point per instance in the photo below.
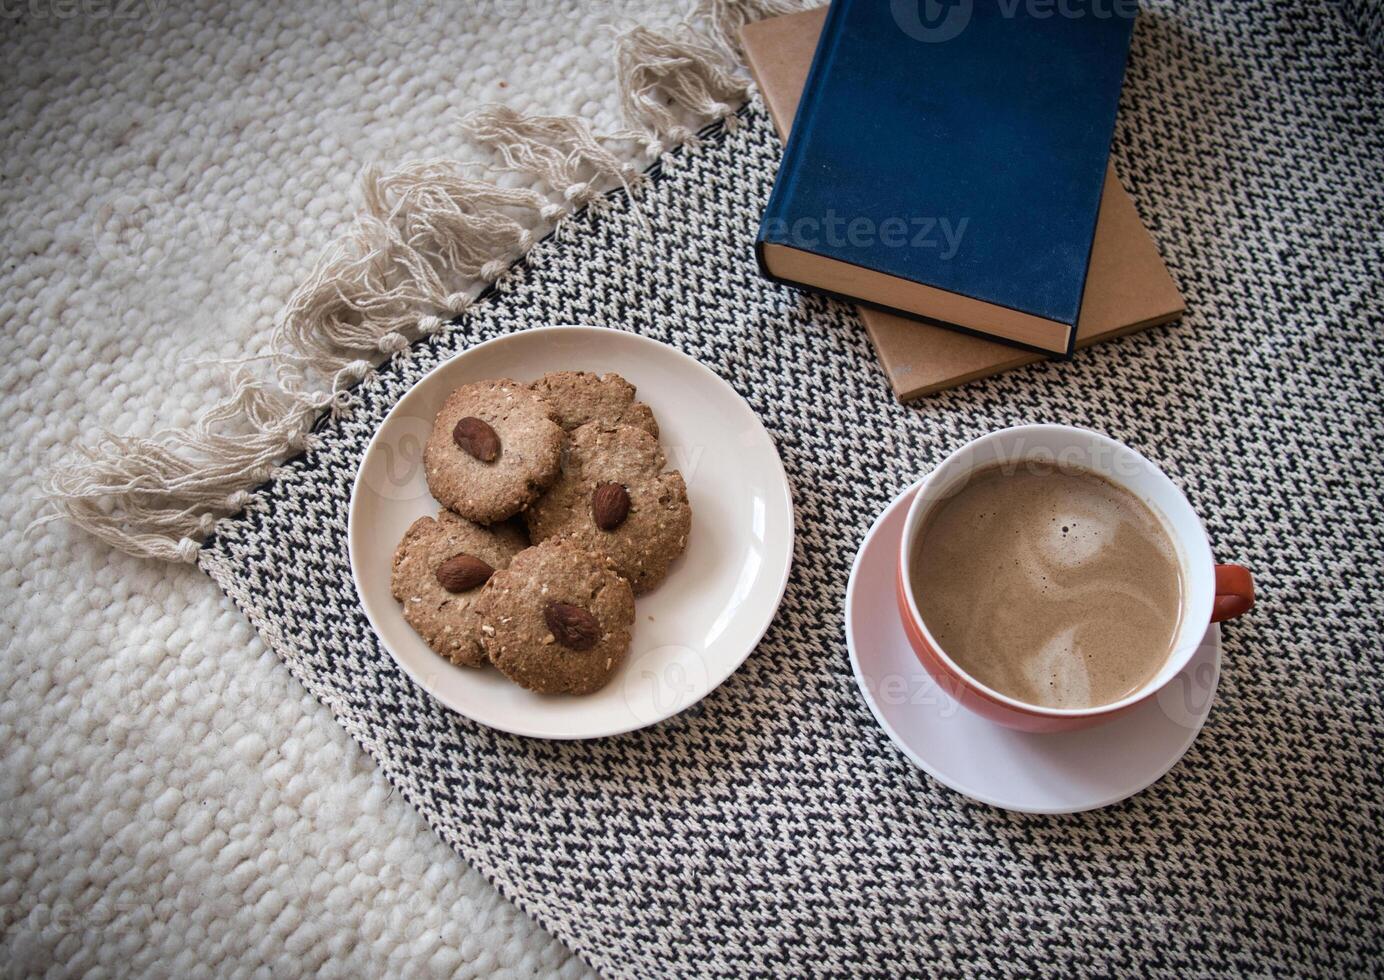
(1211, 592)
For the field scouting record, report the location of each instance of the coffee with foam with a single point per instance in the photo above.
(1055, 587)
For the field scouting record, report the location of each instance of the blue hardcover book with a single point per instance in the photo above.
(947, 159)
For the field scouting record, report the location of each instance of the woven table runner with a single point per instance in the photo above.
(774, 827)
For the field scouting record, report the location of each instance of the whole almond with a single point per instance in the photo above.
(477, 438)
(572, 626)
(461, 573)
(610, 505)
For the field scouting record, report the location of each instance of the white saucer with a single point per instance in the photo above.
(690, 632)
(1061, 773)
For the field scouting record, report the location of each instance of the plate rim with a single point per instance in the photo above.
(901, 745)
(634, 724)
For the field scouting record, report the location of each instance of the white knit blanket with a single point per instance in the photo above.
(171, 801)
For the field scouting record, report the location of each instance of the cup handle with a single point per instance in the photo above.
(1234, 592)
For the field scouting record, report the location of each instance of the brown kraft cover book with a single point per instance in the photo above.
(1127, 286)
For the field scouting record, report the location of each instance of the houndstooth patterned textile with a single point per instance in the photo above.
(774, 828)
(1368, 18)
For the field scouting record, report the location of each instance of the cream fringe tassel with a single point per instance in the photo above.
(425, 237)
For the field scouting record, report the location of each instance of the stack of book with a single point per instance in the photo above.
(956, 184)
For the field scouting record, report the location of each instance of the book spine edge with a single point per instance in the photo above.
(801, 130)
(1050, 352)
(1095, 216)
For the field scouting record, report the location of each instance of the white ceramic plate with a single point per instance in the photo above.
(692, 631)
(1060, 773)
